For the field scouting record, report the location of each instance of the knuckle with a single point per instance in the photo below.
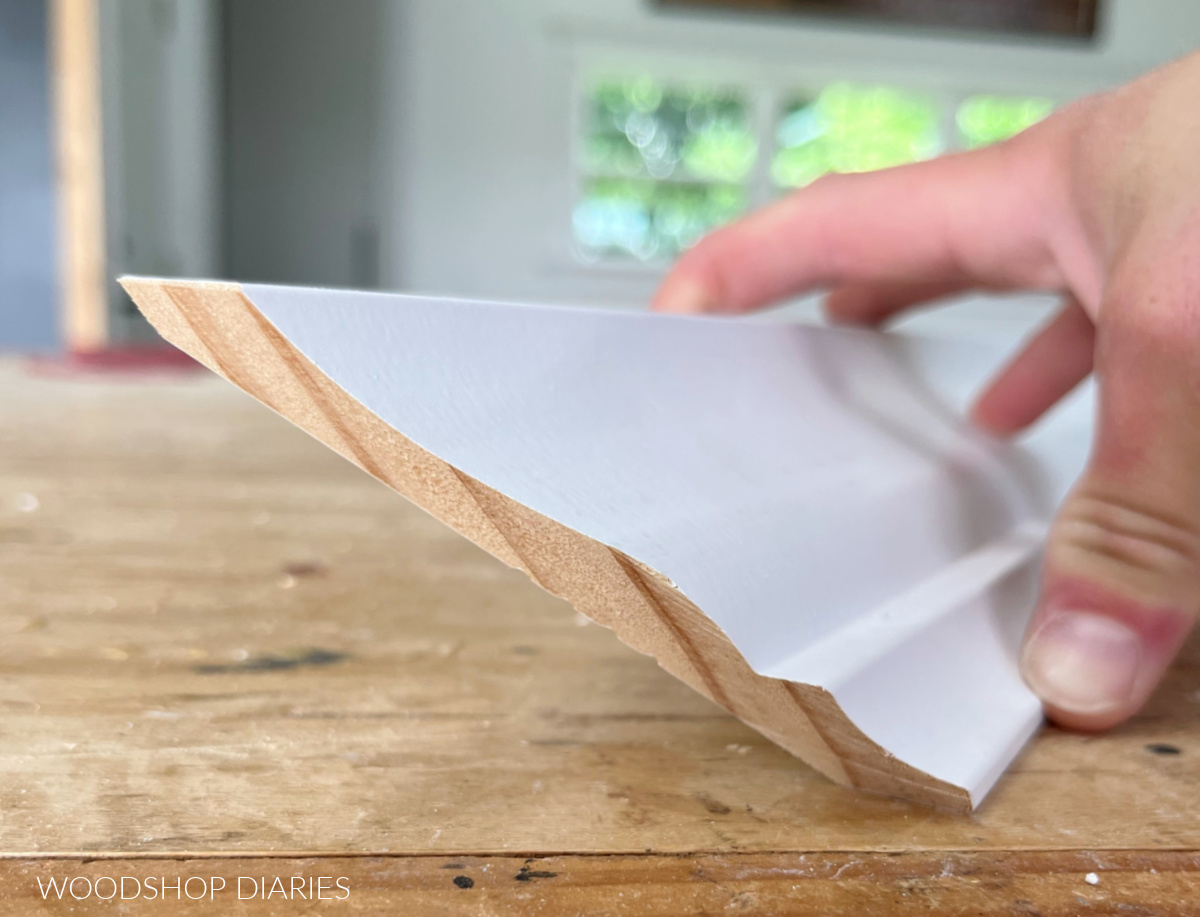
(1140, 545)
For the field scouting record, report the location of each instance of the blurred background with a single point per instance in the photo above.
(541, 150)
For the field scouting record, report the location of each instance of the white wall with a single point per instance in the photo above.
(446, 125)
(303, 84)
(162, 143)
(28, 279)
(479, 111)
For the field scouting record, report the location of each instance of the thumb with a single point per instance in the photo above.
(1121, 584)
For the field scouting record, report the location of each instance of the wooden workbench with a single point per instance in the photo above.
(226, 652)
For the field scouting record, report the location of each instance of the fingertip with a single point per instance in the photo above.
(1085, 668)
(1014, 401)
(1056, 359)
(682, 295)
(1074, 721)
(846, 306)
(985, 416)
(1093, 670)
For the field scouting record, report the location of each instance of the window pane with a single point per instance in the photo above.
(851, 128)
(639, 128)
(985, 119)
(650, 219)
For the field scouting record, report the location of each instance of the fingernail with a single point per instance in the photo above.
(685, 297)
(1082, 662)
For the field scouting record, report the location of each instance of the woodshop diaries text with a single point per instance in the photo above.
(177, 888)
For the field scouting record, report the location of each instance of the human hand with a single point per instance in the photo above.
(1101, 203)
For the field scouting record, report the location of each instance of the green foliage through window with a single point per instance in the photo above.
(651, 219)
(985, 119)
(663, 164)
(850, 128)
(638, 128)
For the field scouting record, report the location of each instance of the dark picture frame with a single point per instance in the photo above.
(1068, 19)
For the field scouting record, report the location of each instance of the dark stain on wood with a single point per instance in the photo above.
(1162, 748)
(525, 874)
(270, 662)
(304, 568)
(715, 806)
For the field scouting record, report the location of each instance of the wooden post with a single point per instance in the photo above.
(83, 264)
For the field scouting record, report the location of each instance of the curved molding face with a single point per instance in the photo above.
(791, 519)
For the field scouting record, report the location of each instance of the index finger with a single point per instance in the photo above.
(966, 219)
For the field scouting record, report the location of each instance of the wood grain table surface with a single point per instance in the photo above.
(228, 653)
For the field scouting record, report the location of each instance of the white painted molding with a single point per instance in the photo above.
(809, 490)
